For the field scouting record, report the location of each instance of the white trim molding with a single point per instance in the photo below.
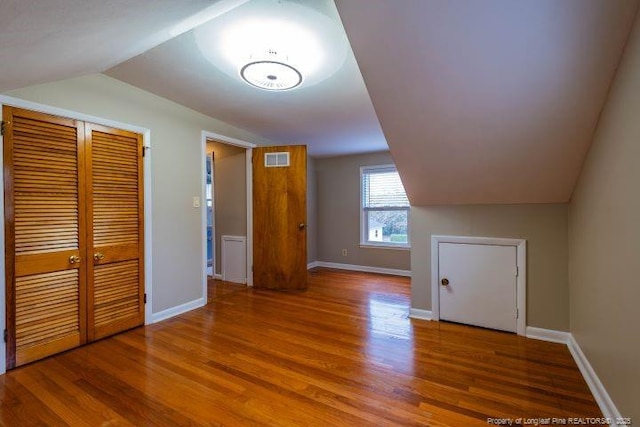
(521, 279)
(600, 394)
(364, 221)
(385, 246)
(178, 309)
(312, 264)
(363, 268)
(418, 313)
(547, 335)
(227, 139)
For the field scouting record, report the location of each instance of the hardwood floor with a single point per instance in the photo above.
(342, 353)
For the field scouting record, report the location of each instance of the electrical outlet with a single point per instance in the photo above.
(344, 252)
(196, 201)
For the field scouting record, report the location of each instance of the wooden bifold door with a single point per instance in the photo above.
(73, 233)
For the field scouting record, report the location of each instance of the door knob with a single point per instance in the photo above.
(74, 259)
(301, 225)
(445, 282)
(98, 256)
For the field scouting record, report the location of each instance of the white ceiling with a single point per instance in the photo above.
(43, 41)
(491, 101)
(332, 117)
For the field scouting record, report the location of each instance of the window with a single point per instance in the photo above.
(385, 208)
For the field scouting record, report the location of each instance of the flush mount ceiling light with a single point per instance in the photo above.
(271, 73)
(272, 54)
(275, 45)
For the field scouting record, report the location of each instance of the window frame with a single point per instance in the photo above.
(364, 218)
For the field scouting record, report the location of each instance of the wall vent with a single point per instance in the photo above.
(276, 160)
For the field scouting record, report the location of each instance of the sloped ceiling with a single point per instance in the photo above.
(43, 41)
(491, 101)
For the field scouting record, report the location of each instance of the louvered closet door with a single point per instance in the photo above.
(44, 179)
(115, 237)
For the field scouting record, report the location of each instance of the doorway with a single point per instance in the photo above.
(227, 209)
(209, 191)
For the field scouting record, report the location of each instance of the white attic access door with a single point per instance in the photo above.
(479, 281)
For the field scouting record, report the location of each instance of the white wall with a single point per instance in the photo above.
(604, 241)
(176, 171)
(312, 211)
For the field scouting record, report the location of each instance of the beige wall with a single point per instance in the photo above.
(230, 194)
(543, 226)
(338, 186)
(176, 159)
(312, 211)
(604, 241)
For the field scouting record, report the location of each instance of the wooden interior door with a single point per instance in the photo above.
(44, 221)
(115, 214)
(279, 217)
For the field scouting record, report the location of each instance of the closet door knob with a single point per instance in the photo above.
(73, 259)
(445, 282)
(98, 256)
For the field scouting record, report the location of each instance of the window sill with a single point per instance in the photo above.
(383, 246)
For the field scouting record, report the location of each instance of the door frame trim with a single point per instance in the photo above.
(146, 141)
(249, 146)
(521, 279)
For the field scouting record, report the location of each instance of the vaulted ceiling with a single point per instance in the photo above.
(490, 101)
(43, 41)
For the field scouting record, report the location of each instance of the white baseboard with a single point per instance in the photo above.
(179, 309)
(364, 268)
(547, 335)
(603, 399)
(600, 394)
(217, 276)
(312, 264)
(416, 313)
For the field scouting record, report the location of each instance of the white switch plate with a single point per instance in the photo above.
(196, 202)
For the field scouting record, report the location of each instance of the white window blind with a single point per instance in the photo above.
(382, 188)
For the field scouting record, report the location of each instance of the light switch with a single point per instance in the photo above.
(196, 202)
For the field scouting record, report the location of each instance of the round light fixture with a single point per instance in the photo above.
(271, 75)
(276, 45)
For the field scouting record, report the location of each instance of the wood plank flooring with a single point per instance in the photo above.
(342, 353)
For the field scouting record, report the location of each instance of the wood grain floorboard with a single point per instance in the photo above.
(344, 352)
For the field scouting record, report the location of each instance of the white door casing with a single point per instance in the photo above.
(487, 281)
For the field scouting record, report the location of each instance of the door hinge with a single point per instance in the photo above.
(144, 150)
(517, 271)
(2, 127)
(6, 335)
(145, 298)
(517, 313)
